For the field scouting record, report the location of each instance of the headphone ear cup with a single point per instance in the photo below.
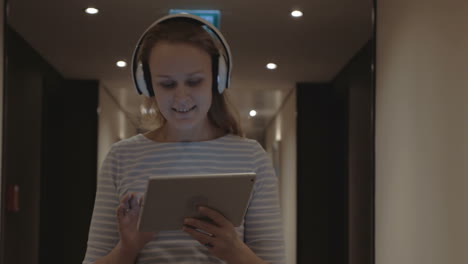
(140, 80)
(223, 79)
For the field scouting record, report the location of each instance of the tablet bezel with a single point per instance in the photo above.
(228, 193)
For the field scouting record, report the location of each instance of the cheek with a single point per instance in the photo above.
(161, 103)
(205, 101)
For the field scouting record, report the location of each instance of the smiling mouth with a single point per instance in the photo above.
(184, 110)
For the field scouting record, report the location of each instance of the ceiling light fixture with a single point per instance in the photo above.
(121, 64)
(253, 113)
(296, 13)
(92, 10)
(271, 66)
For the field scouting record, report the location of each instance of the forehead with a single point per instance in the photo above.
(173, 58)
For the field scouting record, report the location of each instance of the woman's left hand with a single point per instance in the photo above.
(221, 238)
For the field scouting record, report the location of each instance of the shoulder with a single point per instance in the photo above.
(129, 144)
(252, 144)
(250, 147)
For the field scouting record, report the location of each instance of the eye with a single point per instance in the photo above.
(194, 82)
(167, 84)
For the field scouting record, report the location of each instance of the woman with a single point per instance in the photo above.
(182, 64)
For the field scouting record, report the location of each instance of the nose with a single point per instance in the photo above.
(182, 93)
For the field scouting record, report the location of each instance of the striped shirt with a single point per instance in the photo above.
(130, 163)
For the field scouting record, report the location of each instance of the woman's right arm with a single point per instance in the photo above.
(131, 240)
(113, 235)
(119, 255)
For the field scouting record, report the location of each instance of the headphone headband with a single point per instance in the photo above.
(140, 73)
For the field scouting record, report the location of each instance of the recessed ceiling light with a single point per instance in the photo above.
(121, 64)
(253, 113)
(296, 13)
(271, 66)
(92, 10)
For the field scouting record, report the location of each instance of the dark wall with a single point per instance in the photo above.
(81, 122)
(69, 159)
(335, 166)
(49, 151)
(356, 78)
(322, 174)
(52, 178)
(22, 147)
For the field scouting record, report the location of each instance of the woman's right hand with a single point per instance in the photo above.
(128, 212)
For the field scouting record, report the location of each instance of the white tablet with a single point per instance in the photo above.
(170, 199)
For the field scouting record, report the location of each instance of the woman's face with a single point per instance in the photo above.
(182, 82)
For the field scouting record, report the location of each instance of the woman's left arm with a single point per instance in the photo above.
(221, 239)
(263, 232)
(263, 229)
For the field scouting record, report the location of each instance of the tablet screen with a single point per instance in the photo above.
(169, 200)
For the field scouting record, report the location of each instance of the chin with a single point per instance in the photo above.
(184, 124)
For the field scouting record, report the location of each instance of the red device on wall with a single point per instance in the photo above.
(12, 198)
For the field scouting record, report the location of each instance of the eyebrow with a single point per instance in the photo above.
(190, 74)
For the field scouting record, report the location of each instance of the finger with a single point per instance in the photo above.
(118, 209)
(121, 210)
(140, 201)
(125, 198)
(201, 238)
(211, 229)
(217, 218)
(133, 202)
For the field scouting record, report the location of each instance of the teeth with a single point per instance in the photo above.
(185, 110)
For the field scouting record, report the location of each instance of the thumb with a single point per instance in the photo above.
(140, 200)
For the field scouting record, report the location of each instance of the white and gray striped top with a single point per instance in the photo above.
(130, 162)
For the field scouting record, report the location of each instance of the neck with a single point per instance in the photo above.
(201, 133)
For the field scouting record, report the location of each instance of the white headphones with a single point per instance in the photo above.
(141, 74)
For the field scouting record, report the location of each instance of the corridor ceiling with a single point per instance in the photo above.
(311, 48)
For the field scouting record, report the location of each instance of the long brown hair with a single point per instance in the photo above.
(221, 113)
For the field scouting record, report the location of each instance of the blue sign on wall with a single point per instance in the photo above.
(212, 16)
